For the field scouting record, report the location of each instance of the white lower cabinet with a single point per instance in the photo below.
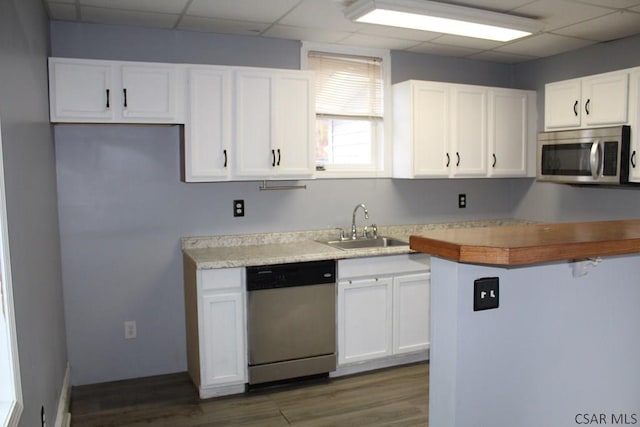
(364, 319)
(216, 325)
(411, 313)
(383, 308)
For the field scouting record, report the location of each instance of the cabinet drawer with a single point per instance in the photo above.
(221, 278)
(382, 265)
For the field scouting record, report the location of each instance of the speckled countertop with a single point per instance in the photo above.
(276, 248)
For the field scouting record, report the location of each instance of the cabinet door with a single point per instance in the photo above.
(468, 131)
(364, 319)
(411, 313)
(148, 92)
(254, 132)
(562, 104)
(605, 99)
(208, 126)
(508, 132)
(80, 91)
(223, 339)
(294, 125)
(431, 157)
(634, 122)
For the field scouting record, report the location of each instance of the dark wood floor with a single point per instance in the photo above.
(390, 397)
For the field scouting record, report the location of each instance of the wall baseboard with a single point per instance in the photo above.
(63, 416)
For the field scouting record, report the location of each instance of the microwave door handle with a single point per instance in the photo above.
(595, 159)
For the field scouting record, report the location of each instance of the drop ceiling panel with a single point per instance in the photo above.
(556, 14)
(495, 5)
(399, 33)
(242, 10)
(618, 4)
(466, 42)
(544, 45)
(365, 40)
(298, 33)
(440, 49)
(157, 6)
(609, 27)
(319, 14)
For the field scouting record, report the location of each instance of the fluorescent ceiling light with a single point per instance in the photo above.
(442, 18)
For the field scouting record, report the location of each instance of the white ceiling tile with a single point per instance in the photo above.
(494, 5)
(440, 49)
(469, 42)
(242, 10)
(319, 14)
(224, 26)
(298, 33)
(397, 33)
(544, 45)
(618, 4)
(365, 40)
(495, 56)
(557, 14)
(63, 11)
(610, 27)
(157, 6)
(124, 17)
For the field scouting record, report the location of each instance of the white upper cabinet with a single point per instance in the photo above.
(599, 100)
(94, 91)
(80, 91)
(634, 122)
(149, 92)
(274, 124)
(451, 130)
(468, 131)
(421, 117)
(207, 132)
(511, 128)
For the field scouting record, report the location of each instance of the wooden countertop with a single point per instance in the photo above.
(531, 244)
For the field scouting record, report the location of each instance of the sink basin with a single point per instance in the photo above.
(380, 242)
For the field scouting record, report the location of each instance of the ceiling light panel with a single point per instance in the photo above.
(443, 18)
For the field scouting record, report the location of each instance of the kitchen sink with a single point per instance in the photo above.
(379, 242)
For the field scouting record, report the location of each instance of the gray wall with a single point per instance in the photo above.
(557, 346)
(552, 202)
(123, 208)
(30, 181)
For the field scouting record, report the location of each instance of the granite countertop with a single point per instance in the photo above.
(531, 243)
(278, 248)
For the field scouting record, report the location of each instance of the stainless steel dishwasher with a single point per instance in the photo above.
(291, 320)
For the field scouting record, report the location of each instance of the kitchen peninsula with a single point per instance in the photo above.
(561, 346)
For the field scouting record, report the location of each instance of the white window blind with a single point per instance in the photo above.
(347, 86)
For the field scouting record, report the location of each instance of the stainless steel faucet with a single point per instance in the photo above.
(354, 233)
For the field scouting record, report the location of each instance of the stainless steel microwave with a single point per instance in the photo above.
(585, 156)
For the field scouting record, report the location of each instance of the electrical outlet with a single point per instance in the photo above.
(486, 293)
(130, 330)
(462, 200)
(238, 208)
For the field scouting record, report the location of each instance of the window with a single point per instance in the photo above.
(350, 110)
